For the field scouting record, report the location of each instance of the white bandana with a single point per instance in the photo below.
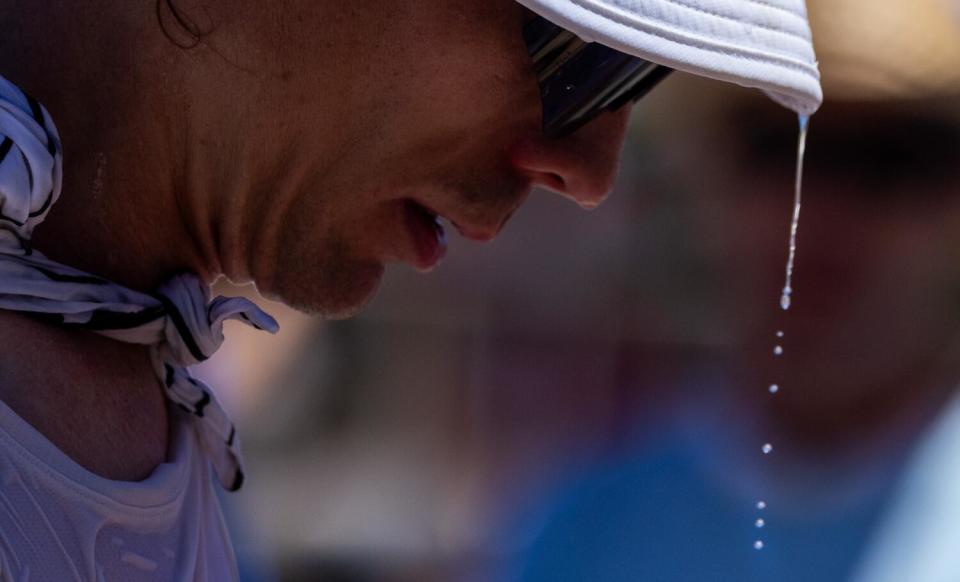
(180, 322)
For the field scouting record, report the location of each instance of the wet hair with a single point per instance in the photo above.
(179, 28)
(186, 33)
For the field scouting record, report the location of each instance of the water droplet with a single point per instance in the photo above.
(760, 522)
(758, 545)
(761, 505)
(780, 333)
(767, 448)
(785, 301)
(773, 389)
(778, 350)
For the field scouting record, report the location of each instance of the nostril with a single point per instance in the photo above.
(582, 167)
(553, 182)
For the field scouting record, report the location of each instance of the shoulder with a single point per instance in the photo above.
(89, 395)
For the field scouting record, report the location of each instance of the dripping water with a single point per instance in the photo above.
(785, 297)
(786, 294)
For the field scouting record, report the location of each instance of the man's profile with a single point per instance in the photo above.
(302, 147)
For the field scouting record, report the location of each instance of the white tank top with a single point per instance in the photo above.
(60, 522)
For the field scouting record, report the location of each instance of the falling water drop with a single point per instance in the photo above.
(786, 295)
(801, 148)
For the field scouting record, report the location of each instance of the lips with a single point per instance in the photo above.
(475, 222)
(429, 238)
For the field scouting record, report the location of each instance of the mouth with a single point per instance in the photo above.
(425, 225)
(429, 238)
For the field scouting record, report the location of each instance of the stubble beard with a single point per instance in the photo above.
(326, 281)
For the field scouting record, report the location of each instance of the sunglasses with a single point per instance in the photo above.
(579, 80)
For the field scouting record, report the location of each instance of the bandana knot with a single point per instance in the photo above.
(193, 329)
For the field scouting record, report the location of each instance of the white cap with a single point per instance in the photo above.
(755, 43)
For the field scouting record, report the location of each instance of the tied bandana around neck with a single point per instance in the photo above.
(180, 322)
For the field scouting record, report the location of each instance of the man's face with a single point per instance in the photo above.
(379, 110)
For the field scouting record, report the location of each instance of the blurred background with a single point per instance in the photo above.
(585, 399)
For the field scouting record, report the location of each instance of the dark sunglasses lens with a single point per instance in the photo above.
(580, 80)
(597, 79)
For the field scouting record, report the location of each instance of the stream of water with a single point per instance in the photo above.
(786, 296)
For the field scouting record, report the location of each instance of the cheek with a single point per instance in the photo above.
(444, 91)
(457, 83)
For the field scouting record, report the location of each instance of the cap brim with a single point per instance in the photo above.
(764, 44)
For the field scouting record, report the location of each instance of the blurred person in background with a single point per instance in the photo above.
(864, 421)
(238, 139)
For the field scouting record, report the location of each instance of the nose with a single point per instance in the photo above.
(582, 166)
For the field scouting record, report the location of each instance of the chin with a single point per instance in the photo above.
(338, 293)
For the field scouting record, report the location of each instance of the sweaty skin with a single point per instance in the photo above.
(278, 147)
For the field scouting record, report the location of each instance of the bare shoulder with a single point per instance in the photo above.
(96, 399)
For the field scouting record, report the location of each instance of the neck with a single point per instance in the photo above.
(130, 210)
